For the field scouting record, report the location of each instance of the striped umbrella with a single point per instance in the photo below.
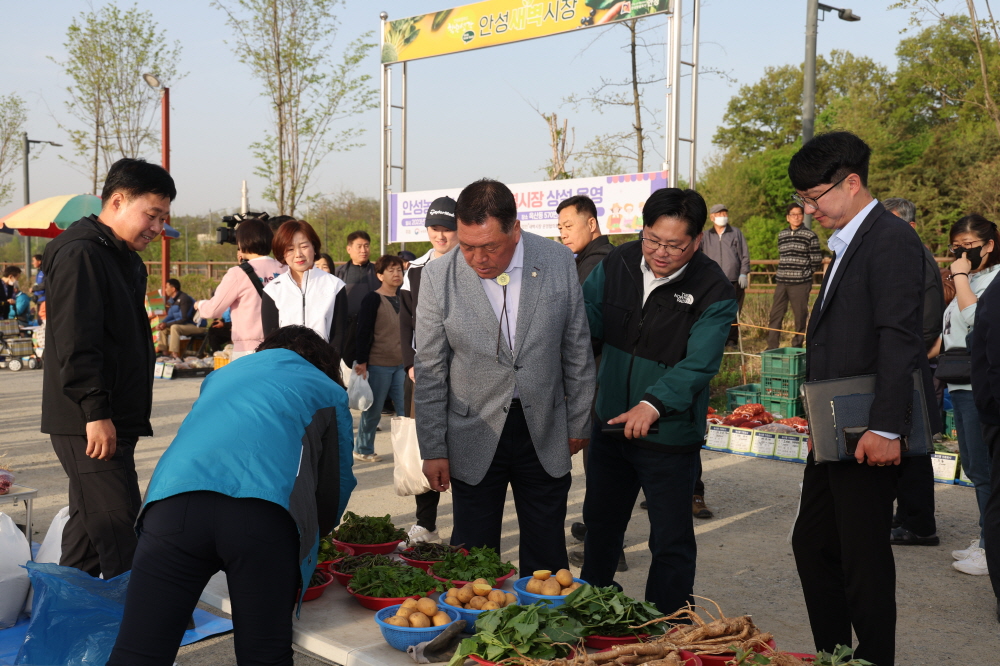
(50, 217)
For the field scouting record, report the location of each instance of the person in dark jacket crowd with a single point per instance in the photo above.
(662, 310)
(180, 317)
(867, 320)
(913, 523)
(38, 288)
(799, 257)
(97, 390)
(248, 486)
(359, 276)
(581, 233)
(8, 290)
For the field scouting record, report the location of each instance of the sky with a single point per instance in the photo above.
(471, 115)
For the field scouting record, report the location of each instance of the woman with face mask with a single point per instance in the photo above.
(976, 248)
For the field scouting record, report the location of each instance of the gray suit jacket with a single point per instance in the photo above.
(463, 394)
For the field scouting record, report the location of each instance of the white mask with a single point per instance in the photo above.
(721, 220)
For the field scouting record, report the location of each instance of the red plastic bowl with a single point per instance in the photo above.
(459, 583)
(423, 564)
(378, 603)
(316, 591)
(808, 658)
(690, 658)
(325, 565)
(572, 653)
(342, 578)
(606, 642)
(721, 659)
(375, 548)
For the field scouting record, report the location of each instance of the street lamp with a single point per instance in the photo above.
(813, 8)
(27, 198)
(155, 84)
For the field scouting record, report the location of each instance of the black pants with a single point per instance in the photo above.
(844, 559)
(915, 495)
(734, 331)
(185, 540)
(104, 500)
(427, 509)
(618, 469)
(699, 485)
(539, 499)
(991, 518)
(796, 295)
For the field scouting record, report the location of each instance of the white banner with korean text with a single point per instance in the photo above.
(619, 201)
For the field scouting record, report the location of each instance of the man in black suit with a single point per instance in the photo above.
(867, 320)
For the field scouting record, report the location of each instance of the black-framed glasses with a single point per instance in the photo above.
(672, 250)
(813, 202)
(959, 250)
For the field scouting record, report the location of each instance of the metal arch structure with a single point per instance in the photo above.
(673, 138)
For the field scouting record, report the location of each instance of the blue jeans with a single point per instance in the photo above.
(385, 380)
(974, 454)
(616, 470)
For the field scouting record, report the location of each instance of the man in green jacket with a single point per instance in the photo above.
(662, 311)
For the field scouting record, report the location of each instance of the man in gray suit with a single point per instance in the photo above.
(506, 376)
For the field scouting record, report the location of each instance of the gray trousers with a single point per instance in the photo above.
(796, 295)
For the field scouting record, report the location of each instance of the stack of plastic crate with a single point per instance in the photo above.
(782, 373)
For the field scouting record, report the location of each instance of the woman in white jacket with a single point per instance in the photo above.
(305, 295)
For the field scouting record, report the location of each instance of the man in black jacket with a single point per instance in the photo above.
(98, 386)
(867, 320)
(359, 276)
(581, 233)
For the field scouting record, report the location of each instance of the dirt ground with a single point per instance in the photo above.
(744, 561)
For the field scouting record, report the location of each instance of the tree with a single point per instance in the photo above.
(556, 169)
(108, 52)
(288, 46)
(13, 115)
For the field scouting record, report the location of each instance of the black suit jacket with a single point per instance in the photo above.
(871, 320)
(408, 314)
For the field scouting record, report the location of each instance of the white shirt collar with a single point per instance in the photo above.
(517, 261)
(841, 238)
(651, 282)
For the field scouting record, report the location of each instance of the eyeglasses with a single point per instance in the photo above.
(813, 202)
(672, 250)
(957, 250)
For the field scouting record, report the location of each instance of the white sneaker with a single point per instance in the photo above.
(367, 457)
(965, 552)
(974, 564)
(418, 534)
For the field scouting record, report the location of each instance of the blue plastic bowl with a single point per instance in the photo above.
(469, 615)
(526, 598)
(404, 637)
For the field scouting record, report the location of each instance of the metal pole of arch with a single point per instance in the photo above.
(383, 143)
(673, 142)
(696, 30)
(402, 142)
(809, 80)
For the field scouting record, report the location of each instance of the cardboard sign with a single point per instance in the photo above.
(787, 447)
(945, 466)
(764, 444)
(741, 441)
(718, 438)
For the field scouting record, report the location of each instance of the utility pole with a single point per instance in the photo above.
(27, 198)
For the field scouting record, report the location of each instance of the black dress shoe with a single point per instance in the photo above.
(904, 537)
(576, 559)
(578, 530)
(643, 505)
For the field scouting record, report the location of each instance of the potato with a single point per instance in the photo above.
(440, 618)
(453, 601)
(481, 590)
(575, 585)
(452, 591)
(564, 577)
(465, 595)
(551, 588)
(410, 603)
(476, 603)
(405, 611)
(480, 581)
(497, 596)
(565, 591)
(427, 606)
(419, 621)
(542, 574)
(534, 586)
(511, 598)
(397, 621)
(490, 605)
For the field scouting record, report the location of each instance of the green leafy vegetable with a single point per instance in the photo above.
(481, 562)
(841, 656)
(368, 530)
(606, 611)
(385, 581)
(329, 550)
(352, 563)
(426, 551)
(536, 632)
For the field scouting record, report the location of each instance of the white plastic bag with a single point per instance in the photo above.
(408, 474)
(14, 552)
(359, 391)
(51, 549)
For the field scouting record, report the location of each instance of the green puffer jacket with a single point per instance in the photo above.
(664, 352)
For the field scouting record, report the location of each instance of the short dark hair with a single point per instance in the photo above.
(583, 204)
(355, 235)
(982, 229)
(387, 260)
(686, 205)
(37, 257)
(14, 271)
(283, 237)
(254, 236)
(487, 198)
(136, 177)
(406, 255)
(904, 209)
(309, 345)
(792, 206)
(827, 158)
(276, 222)
(175, 283)
(329, 260)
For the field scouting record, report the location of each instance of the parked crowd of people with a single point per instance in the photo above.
(513, 353)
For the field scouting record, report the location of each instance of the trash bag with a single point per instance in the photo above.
(359, 391)
(76, 617)
(408, 474)
(14, 553)
(50, 551)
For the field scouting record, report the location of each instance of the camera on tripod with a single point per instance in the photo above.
(227, 234)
